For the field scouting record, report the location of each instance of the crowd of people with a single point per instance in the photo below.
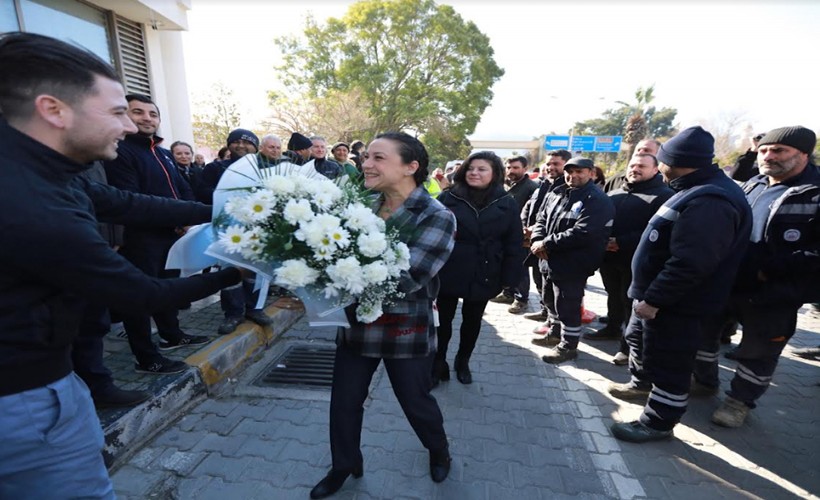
(94, 202)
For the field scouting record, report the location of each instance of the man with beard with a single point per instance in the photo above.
(780, 270)
(143, 166)
(553, 179)
(645, 146)
(635, 203)
(569, 238)
(520, 187)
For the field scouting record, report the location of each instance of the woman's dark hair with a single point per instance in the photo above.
(601, 178)
(222, 152)
(410, 149)
(495, 162)
(181, 143)
(356, 147)
(31, 65)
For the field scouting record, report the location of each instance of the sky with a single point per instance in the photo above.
(718, 63)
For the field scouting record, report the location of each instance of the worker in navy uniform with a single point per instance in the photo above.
(682, 272)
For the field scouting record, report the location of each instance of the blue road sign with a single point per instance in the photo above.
(585, 143)
(608, 143)
(582, 143)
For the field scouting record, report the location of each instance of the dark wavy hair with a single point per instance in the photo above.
(410, 149)
(493, 159)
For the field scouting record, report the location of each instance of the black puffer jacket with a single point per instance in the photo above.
(488, 254)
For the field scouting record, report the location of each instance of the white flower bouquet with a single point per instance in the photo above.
(316, 235)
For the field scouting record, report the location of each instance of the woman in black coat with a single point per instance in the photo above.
(487, 256)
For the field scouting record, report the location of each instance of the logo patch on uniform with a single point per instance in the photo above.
(791, 235)
(653, 235)
(577, 207)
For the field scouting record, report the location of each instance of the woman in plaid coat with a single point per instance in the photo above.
(404, 337)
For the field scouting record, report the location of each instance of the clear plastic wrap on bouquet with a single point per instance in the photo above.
(321, 311)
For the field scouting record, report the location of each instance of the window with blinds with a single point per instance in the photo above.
(132, 57)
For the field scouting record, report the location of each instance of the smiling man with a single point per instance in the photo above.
(63, 108)
(569, 238)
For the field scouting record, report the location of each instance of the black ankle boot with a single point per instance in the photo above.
(439, 465)
(333, 482)
(441, 371)
(463, 370)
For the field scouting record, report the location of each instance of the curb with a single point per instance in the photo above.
(213, 366)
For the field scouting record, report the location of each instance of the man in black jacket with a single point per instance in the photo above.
(64, 109)
(553, 178)
(682, 272)
(569, 238)
(636, 201)
(780, 271)
(143, 166)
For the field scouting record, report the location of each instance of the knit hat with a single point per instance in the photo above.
(299, 142)
(692, 148)
(579, 162)
(241, 134)
(340, 144)
(799, 138)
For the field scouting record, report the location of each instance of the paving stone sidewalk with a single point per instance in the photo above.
(522, 430)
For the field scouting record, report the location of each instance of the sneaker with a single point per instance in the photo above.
(559, 355)
(537, 316)
(731, 413)
(184, 341)
(518, 307)
(620, 359)
(114, 397)
(699, 390)
(605, 333)
(636, 432)
(162, 366)
(259, 317)
(503, 299)
(807, 352)
(229, 325)
(547, 341)
(630, 392)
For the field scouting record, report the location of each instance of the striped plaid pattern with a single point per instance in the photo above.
(406, 328)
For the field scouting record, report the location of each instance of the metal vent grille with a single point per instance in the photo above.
(300, 365)
(133, 58)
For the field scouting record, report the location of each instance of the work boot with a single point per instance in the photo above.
(518, 307)
(537, 316)
(807, 352)
(503, 299)
(700, 390)
(731, 413)
(636, 432)
(229, 325)
(620, 359)
(606, 333)
(547, 341)
(559, 354)
(630, 391)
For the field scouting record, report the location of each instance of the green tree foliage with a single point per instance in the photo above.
(616, 121)
(216, 115)
(417, 65)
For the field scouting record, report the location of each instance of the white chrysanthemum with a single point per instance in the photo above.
(295, 273)
(331, 291)
(238, 208)
(326, 194)
(280, 185)
(253, 250)
(234, 238)
(347, 274)
(359, 217)
(324, 249)
(259, 205)
(374, 273)
(372, 244)
(369, 312)
(403, 255)
(326, 222)
(298, 211)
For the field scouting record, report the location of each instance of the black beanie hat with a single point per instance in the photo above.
(579, 162)
(243, 135)
(799, 138)
(299, 142)
(692, 148)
